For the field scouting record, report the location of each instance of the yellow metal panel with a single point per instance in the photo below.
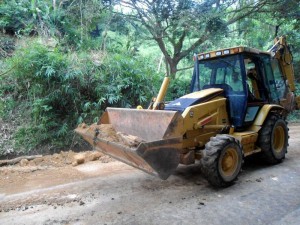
(263, 113)
(193, 114)
(199, 140)
(247, 140)
(204, 93)
(204, 138)
(212, 114)
(246, 137)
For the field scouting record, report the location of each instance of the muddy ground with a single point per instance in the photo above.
(89, 188)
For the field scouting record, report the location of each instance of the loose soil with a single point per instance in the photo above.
(108, 133)
(47, 170)
(59, 168)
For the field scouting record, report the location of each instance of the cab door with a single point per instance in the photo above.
(261, 87)
(237, 95)
(231, 73)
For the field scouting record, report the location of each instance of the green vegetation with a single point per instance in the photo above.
(64, 62)
(58, 91)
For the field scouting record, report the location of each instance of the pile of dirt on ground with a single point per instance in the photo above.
(27, 172)
(57, 160)
(46, 170)
(105, 131)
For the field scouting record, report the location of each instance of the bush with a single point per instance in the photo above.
(15, 16)
(294, 117)
(59, 91)
(178, 88)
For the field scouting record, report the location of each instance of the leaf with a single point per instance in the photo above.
(86, 106)
(63, 130)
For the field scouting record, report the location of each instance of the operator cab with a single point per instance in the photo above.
(246, 77)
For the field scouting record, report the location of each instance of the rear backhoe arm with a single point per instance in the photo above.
(284, 56)
(282, 52)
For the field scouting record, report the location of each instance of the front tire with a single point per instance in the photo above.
(273, 139)
(222, 160)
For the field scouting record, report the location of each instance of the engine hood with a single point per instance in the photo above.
(194, 98)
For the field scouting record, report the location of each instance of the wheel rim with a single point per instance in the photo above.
(278, 139)
(229, 162)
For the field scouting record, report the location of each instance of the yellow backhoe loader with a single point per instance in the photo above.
(237, 107)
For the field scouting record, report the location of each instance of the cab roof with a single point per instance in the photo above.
(230, 51)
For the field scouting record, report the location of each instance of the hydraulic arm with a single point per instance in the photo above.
(283, 54)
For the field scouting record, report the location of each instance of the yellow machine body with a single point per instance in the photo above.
(169, 137)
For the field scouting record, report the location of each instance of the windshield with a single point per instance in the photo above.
(222, 72)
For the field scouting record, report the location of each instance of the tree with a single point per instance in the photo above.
(180, 26)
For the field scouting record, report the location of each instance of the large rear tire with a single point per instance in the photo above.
(222, 160)
(273, 139)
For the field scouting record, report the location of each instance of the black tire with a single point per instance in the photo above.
(273, 139)
(222, 160)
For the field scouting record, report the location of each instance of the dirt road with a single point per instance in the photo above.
(109, 192)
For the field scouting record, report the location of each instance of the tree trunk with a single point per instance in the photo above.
(171, 65)
(173, 70)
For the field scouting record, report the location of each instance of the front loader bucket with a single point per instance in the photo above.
(154, 138)
(149, 125)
